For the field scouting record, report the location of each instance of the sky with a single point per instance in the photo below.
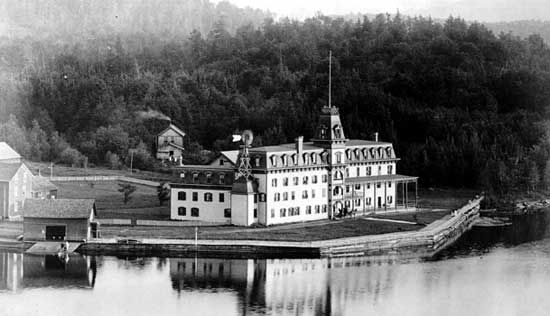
(479, 10)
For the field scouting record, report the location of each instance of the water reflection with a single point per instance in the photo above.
(498, 272)
(19, 271)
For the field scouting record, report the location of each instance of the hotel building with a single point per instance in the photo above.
(328, 177)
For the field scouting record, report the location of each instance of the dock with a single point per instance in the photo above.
(427, 241)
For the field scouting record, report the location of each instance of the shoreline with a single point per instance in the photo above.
(429, 240)
(417, 243)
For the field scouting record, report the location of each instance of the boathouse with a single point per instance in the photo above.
(59, 219)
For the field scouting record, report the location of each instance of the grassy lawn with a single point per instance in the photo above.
(323, 231)
(67, 171)
(421, 217)
(144, 203)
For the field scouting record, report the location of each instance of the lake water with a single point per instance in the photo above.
(504, 271)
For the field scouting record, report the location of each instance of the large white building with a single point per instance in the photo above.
(328, 177)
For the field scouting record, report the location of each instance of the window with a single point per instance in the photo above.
(182, 196)
(255, 213)
(368, 201)
(317, 209)
(368, 186)
(292, 195)
(304, 194)
(306, 159)
(313, 158)
(262, 197)
(284, 160)
(255, 198)
(195, 212)
(390, 199)
(313, 179)
(221, 197)
(195, 196)
(282, 212)
(295, 159)
(257, 161)
(208, 178)
(338, 157)
(227, 213)
(195, 177)
(312, 194)
(324, 192)
(277, 197)
(285, 196)
(378, 185)
(273, 160)
(389, 184)
(308, 209)
(182, 175)
(358, 172)
(296, 180)
(273, 182)
(222, 178)
(325, 208)
(357, 202)
(182, 211)
(305, 180)
(369, 171)
(272, 213)
(285, 182)
(324, 179)
(357, 187)
(347, 188)
(208, 197)
(390, 169)
(347, 172)
(379, 170)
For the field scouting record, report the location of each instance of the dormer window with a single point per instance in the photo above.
(313, 158)
(195, 177)
(284, 160)
(222, 178)
(182, 175)
(295, 159)
(306, 158)
(208, 178)
(273, 159)
(257, 161)
(348, 154)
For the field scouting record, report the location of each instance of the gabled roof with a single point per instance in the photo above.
(58, 208)
(40, 183)
(6, 152)
(231, 155)
(173, 127)
(8, 170)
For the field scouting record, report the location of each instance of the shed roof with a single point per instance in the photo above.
(59, 208)
(231, 155)
(6, 152)
(40, 183)
(8, 170)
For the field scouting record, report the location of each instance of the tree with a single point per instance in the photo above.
(163, 193)
(126, 189)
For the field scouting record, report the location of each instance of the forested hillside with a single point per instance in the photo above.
(462, 106)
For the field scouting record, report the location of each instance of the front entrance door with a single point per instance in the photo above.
(379, 202)
(55, 232)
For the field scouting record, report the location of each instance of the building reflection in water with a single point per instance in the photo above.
(19, 271)
(280, 286)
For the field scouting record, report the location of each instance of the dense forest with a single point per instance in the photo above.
(464, 107)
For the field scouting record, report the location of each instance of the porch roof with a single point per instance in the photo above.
(383, 178)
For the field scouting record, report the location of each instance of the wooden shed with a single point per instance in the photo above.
(61, 219)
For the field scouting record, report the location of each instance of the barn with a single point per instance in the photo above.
(59, 219)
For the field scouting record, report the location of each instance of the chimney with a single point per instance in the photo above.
(376, 137)
(299, 144)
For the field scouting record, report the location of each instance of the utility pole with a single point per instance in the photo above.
(131, 160)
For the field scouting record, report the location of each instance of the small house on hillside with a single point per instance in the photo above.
(15, 187)
(170, 144)
(8, 154)
(61, 219)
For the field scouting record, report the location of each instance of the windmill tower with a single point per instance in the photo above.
(244, 188)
